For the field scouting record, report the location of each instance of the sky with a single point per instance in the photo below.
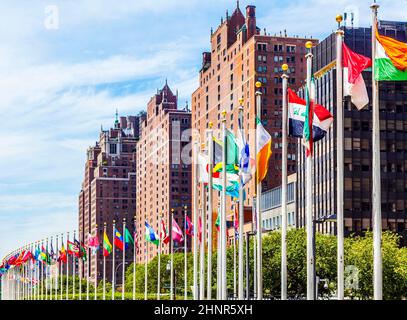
(66, 66)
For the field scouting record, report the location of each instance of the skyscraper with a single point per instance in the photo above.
(163, 167)
(109, 190)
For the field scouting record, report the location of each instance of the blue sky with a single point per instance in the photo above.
(58, 86)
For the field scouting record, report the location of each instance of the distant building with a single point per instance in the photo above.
(358, 144)
(163, 170)
(109, 190)
(240, 55)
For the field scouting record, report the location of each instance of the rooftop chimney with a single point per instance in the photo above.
(251, 21)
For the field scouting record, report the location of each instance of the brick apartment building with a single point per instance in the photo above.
(109, 189)
(163, 167)
(241, 55)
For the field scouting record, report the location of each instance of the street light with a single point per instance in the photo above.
(168, 267)
(115, 272)
(248, 235)
(320, 220)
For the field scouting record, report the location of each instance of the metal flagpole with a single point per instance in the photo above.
(195, 219)
(241, 210)
(308, 198)
(57, 277)
(73, 269)
(284, 189)
(339, 159)
(258, 207)
(172, 257)
(218, 260)
(46, 271)
(254, 218)
(223, 213)
(210, 211)
(113, 260)
(42, 273)
(159, 259)
(80, 266)
(234, 257)
(61, 270)
(124, 258)
(145, 271)
(202, 253)
(376, 196)
(134, 260)
(96, 264)
(67, 267)
(185, 255)
(87, 269)
(104, 266)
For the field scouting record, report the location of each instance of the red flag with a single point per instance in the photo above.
(354, 84)
(164, 236)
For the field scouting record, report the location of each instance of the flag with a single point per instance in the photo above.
(232, 155)
(189, 227)
(164, 236)
(217, 152)
(217, 223)
(151, 236)
(309, 115)
(296, 115)
(128, 239)
(135, 235)
(353, 82)
(177, 235)
(107, 246)
(200, 229)
(72, 248)
(390, 59)
(232, 187)
(62, 255)
(263, 147)
(203, 163)
(83, 252)
(93, 243)
(244, 157)
(118, 239)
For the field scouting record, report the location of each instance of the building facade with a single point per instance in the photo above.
(164, 168)
(358, 144)
(109, 191)
(240, 56)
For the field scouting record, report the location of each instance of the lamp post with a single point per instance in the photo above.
(173, 275)
(248, 235)
(331, 218)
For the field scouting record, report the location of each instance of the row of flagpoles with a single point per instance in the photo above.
(226, 166)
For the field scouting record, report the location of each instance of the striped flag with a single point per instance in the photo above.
(390, 59)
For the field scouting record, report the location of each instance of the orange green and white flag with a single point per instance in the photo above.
(263, 148)
(390, 59)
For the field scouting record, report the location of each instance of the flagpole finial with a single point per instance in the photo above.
(224, 113)
(114, 221)
(284, 67)
(308, 45)
(172, 209)
(210, 125)
(185, 207)
(375, 6)
(241, 101)
(258, 84)
(203, 145)
(339, 19)
(105, 224)
(96, 226)
(124, 219)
